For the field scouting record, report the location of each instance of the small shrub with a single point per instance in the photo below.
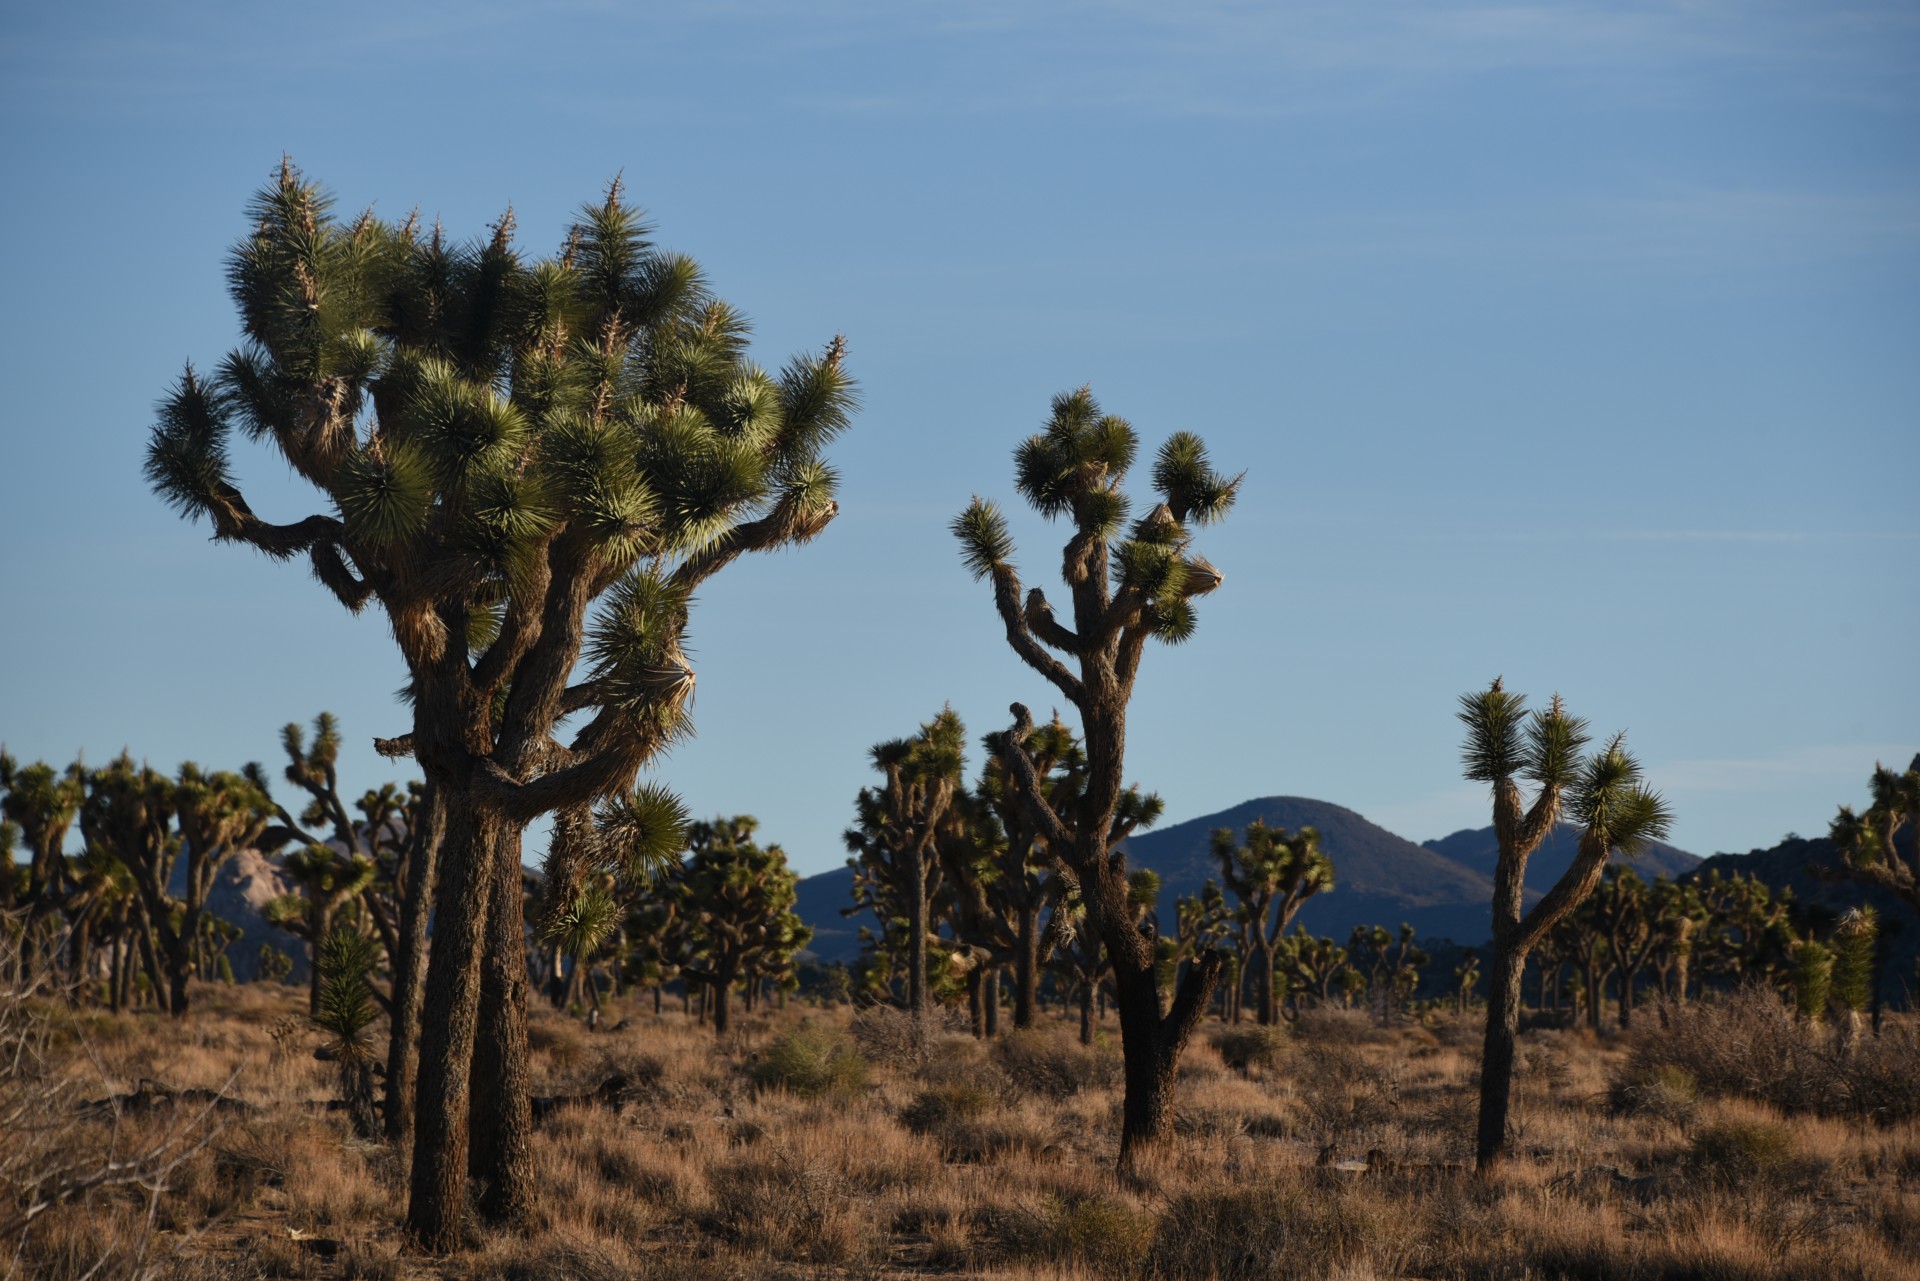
(893, 1036)
(813, 1061)
(1666, 1092)
(1103, 1236)
(1248, 1047)
(1739, 1153)
(935, 1109)
(1053, 1067)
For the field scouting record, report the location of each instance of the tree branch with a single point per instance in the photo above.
(786, 523)
(1006, 598)
(1020, 765)
(1041, 621)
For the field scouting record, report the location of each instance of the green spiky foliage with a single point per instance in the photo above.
(738, 898)
(150, 823)
(1204, 922)
(893, 842)
(327, 881)
(1389, 964)
(1079, 958)
(1854, 942)
(531, 465)
(39, 804)
(1812, 979)
(1025, 877)
(1869, 844)
(1602, 793)
(1678, 915)
(345, 961)
(1746, 931)
(1466, 977)
(1272, 873)
(272, 965)
(1127, 582)
(1312, 965)
(99, 911)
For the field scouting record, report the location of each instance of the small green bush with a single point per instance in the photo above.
(945, 1105)
(1664, 1091)
(1743, 1153)
(812, 1061)
(1251, 1046)
(1053, 1067)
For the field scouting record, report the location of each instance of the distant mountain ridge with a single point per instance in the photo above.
(1443, 888)
(1479, 848)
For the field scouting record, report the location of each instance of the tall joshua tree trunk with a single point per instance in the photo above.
(1603, 794)
(500, 1109)
(917, 926)
(1075, 469)
(409, 965)
(1026, 967)
(449, 1018)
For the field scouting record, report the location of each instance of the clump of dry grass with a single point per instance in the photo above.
(1749, 1044)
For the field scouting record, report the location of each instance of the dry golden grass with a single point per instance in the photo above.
(994, 1160)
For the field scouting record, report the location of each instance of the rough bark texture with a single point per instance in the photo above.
(1496, 1059)
(501, 1151)
(409, 967)
(449, 1016)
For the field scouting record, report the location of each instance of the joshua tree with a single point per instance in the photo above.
(497, 445)
(1604, 796)
(1075, 468)
(893, 844)
(1466, 977)
(739, 901)
(345, 960)
(1025, 885)
(147, 821)
(1203, 922)
(1391, 966)
(1867, 842)
(40, 803)
(1855, 939)
(327, 879)
(1272, 874)
(1313, 965)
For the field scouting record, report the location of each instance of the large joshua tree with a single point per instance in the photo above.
(1603, 796)
(497, 444)
(1126, 585)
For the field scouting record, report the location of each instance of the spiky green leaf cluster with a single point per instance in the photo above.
(1611, 801)
(642, 831)
(346, 960)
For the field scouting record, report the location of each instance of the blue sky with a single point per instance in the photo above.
(1572, 342)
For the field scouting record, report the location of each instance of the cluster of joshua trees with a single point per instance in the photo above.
(530, 465)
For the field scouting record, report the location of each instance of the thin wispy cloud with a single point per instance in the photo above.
(1846, 765)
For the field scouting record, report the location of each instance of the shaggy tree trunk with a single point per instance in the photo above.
(722, 990)
(448, 1016)
(1086, 1014)
(501, 1120)
(1268, 1015)
(1496, 1060)
(1026, 968)
(409, 968)
(993, 1001)
(917, 928)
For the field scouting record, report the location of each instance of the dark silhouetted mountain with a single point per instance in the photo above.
(1380, 878)
(820, 898)
(1479, 849)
